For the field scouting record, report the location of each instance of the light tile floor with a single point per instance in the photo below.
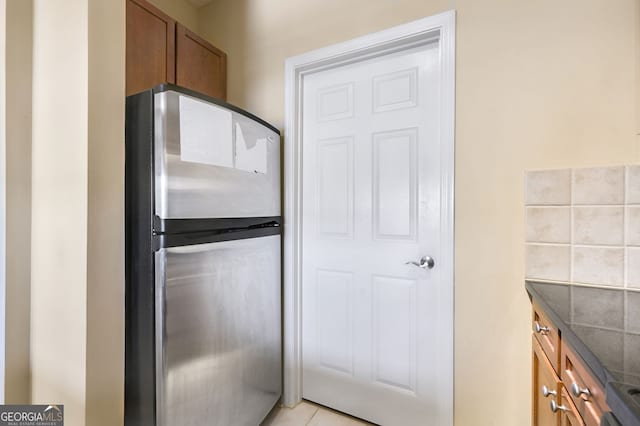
(309, 414)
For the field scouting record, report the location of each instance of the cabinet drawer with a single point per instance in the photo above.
(548, 336)
(583, 389)
(546, 387)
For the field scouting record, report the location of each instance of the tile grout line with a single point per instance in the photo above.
(314, 414)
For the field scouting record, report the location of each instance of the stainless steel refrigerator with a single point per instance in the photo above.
(203, 288)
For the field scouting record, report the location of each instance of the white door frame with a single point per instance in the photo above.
(438, 28)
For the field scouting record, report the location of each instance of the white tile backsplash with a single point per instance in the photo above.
(548, 187)
(600, 185)
(583, 226)
(548, 225)
(633, 267)
(598, 225)
(633, 185)
(548, 262)
(633, 226)
(598, 265)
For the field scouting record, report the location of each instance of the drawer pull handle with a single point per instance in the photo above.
(555, 407)
(577, 391)
(541, 329)
(546, 391)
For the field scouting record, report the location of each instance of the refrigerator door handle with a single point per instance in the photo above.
(181, 226)
(202, 238)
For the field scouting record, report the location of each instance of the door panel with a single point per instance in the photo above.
(395, 184)
(206, 153)
(371, 185)
(218, 332)
(394, 325)
(334, 331)
(335, 187)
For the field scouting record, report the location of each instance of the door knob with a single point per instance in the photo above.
(426, 262)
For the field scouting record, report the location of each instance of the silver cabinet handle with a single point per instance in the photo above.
(577, 391)
(541, 329)
(426, 262)
(546, 391)
(555, 407)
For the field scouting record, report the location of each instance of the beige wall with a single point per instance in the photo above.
(77, 276)
(181, 10)
(105, 250)
(18, 200)
(59, 215)
(3, 23)
(540, 84)
(637, 49)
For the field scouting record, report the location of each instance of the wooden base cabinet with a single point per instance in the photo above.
(583, 389)
(568, 412)
(161, 50)
(546, 386)
(564, 391)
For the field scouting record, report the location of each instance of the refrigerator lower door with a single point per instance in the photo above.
(218, 332)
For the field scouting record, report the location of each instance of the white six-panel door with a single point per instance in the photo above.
(371, 203)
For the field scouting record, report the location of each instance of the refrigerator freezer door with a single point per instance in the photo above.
(212, 162)
(218, 332)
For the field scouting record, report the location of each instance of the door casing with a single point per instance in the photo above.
(440, 28)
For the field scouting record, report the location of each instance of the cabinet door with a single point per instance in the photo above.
(545, 381)
(150, 47)
(199, 65)
(591, 402)
(569, 413)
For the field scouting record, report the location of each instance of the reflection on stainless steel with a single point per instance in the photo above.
(220, 332)
(160, 292)
(193, 190)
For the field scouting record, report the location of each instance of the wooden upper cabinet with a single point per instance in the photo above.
(161, 50)
(150, 47)
(200, 66)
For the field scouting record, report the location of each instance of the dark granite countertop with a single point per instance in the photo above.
(603, 327)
